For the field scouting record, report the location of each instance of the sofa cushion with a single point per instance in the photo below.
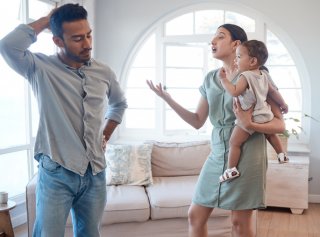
(178, 159)
(128, 164)
(126, 203)
(170, 197)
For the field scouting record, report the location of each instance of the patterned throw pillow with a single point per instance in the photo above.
(129, 164)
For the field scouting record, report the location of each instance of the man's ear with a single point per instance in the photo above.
(58, 41)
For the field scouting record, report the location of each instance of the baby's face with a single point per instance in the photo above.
(243, 61)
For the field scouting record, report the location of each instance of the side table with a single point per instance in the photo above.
(287, 184)
(5, 220)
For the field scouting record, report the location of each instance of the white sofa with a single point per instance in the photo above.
(160, 209)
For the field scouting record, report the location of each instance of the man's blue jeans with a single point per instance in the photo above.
(59, 191)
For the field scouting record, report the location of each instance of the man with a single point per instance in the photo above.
(80, 104)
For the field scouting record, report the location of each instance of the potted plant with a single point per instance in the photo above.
(294, 130)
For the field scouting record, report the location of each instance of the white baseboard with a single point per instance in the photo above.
(314, 198)
(19, 220)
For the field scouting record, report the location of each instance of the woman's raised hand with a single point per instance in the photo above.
(159, 90)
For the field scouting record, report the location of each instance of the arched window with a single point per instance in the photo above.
(176, 53)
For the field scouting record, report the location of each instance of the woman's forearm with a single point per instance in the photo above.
(276, 125)
(196, 119)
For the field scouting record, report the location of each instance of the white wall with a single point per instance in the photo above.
(120, 23)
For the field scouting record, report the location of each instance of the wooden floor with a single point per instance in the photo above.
(279, 222)
(272, 222)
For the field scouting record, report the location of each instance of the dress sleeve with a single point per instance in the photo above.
(206, 83)
(202, 90)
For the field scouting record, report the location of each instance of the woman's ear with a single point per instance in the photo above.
(236, 43)
(58, 41)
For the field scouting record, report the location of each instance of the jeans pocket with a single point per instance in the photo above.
(48, 164)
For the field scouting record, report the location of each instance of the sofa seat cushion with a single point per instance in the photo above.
(170, 197)
(126, 203)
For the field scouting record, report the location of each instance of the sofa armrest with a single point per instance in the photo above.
(31, 203)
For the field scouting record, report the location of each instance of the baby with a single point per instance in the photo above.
(252, 88)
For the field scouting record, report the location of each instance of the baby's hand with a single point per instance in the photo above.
(226, 75)
(284, 108)
(222, 73)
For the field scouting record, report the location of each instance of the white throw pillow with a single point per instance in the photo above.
(129, 164)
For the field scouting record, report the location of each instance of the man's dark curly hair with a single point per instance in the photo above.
(66, 13)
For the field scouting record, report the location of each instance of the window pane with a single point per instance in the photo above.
(146, 55)
(13, 108)
(293, 98)
(138, 76)
(140, 98)
(174, 122)
(184, 56)
(39, 9)
(188, 98)
(184, 78)
(44, 44)
(139, 118)
(207, 22)
(285, 76)
(291, 122)
(278, 54)
(10, 16)
(248, 24)
(14, 172)
(182, 25)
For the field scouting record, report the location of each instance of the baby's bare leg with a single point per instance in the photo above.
(275, 142)
(238, 137)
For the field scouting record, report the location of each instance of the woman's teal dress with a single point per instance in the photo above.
(246, 191)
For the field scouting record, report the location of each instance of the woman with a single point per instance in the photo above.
(245, 193)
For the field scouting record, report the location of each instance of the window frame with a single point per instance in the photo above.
(30, 139)
(262, 24)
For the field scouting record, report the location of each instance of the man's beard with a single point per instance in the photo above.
(77, 58)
